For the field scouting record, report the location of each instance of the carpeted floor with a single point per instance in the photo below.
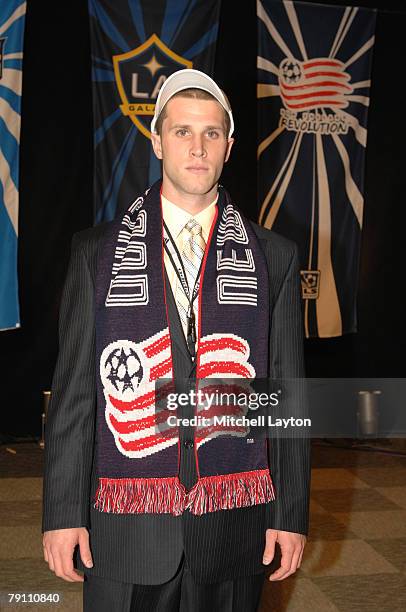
(355, 557)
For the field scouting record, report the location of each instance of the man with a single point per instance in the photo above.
(182, 287)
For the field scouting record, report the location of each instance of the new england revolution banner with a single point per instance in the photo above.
(12, 18)
(314, 77)
(136, 45)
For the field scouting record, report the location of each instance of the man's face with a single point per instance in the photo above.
(193, 147)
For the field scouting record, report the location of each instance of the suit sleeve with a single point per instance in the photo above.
(69, 432)
(289, 457)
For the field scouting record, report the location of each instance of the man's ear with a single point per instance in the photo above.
(230, 143)
(156, 145)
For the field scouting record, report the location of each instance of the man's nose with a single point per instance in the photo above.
(198, 148)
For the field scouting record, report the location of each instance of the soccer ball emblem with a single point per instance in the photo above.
(123, 368)
(291, 71)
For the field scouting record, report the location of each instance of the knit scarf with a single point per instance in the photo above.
(138, 453)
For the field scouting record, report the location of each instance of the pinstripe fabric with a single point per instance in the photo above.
(180, 594)
(239, 595)
(71, 415)
(147, 549)
(289, 459)
(105, 595)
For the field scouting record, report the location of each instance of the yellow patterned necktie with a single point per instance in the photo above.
(192, 255)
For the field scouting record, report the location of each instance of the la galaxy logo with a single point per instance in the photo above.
(2, 42)
(140, 74)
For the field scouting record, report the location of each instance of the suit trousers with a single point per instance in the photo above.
(180, 594)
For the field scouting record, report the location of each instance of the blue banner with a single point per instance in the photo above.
(314, 78)
(136, 45)
(12, 18)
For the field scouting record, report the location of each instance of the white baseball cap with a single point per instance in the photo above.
(190, 79)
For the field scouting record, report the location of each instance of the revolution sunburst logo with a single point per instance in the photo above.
(314, 78)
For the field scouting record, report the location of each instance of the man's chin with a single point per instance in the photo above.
(201, 185)
(202, 190)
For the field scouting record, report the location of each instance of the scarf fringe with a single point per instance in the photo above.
(140, 495)
(168, 495)
(229, 491)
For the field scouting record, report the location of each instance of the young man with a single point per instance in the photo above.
(181, 287)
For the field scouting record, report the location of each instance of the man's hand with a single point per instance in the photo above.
(292, 546)
(59, 545)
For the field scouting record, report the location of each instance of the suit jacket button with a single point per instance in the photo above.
(188, 443)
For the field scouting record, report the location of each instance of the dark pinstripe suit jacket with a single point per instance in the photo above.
(147, 549)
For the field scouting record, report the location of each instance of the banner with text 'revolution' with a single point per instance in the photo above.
(314, 77)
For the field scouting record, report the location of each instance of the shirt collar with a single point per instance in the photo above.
(176, 217)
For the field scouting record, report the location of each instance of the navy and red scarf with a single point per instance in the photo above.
(138, 453)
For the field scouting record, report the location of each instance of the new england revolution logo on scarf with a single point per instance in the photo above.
(138, 452)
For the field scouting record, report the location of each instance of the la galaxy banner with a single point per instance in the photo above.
(136, 45)
(12, 19)
(314, 78)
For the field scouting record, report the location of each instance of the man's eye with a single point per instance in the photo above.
(181, 132)
(213, 134)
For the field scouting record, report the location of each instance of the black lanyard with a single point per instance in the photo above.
(176, 260)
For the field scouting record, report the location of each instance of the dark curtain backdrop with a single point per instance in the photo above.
(56, 194)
